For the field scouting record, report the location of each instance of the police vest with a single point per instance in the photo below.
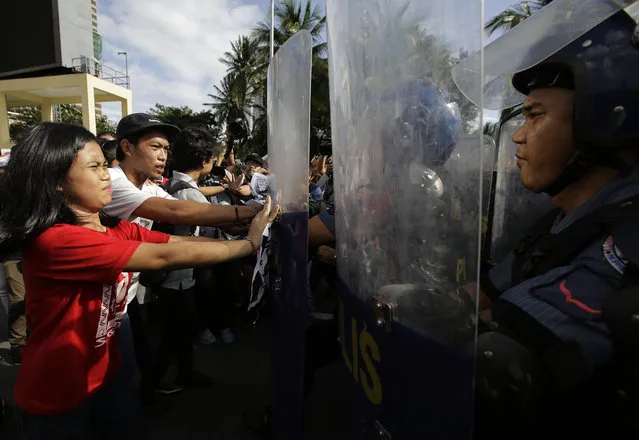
(540, 251)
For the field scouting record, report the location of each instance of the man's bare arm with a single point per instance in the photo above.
(209, 191)
(186, 212)
(318, 233)
(244, 190)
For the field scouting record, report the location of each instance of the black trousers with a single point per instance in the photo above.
(322, 349)
(143, 350)
(179, 317)
(218, 288)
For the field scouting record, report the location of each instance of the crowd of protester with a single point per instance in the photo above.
(149, 218)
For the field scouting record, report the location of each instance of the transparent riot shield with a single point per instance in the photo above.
(288, 94)
(476, 164)
(407, 212)
(515, 209)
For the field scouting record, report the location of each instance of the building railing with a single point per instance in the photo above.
(96, 68)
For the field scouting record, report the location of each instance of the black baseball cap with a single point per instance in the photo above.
(138, 123)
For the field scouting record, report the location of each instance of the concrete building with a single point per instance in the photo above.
(94, 15)
(60, 62)
(97, 43)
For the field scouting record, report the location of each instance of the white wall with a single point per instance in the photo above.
(76, 31)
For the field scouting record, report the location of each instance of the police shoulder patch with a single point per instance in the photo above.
(614, 256)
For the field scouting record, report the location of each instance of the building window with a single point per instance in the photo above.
(97, 46)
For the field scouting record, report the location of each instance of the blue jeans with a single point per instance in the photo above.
(111, 413)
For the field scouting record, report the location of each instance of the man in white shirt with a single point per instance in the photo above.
(192, 160)
(143, 144)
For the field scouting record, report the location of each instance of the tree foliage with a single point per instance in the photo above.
(184, 116)
(397, 48)
(508, 19)
(513, 15)
(290, 18)
(29, 117)
(239, 101)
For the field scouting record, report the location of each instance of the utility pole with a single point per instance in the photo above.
(272, 28)
(126, 67)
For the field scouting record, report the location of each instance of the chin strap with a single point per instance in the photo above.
(581, 163)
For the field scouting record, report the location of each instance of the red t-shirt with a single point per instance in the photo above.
(75, 301)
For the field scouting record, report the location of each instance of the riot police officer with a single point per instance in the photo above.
(556, 328)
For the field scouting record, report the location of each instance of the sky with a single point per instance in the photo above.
(173, 46)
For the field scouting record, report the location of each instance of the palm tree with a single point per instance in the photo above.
(245, 60)
(290, 18)
(320, 96)
(230, 106)
(240, 99)
(505, 21)
(240, 91)
(513, 15)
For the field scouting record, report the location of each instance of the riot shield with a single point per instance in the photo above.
(289, 91)
(407, 205)
(515, 209)
(474, 164)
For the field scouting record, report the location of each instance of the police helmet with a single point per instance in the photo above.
(421, 124)
(602, 67)
(589, 46)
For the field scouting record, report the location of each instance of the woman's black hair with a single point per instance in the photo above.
(109, 148)
(31, 195)
(190, 148)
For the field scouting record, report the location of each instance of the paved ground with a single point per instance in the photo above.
(242, 371)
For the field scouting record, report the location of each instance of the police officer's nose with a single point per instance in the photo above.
(519, 137)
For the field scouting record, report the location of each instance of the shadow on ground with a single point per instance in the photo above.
(242, 371)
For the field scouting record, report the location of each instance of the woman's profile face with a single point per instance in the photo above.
(88, 183)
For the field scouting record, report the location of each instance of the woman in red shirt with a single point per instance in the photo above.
(77, 268)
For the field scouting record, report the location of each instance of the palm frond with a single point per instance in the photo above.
(514, 15)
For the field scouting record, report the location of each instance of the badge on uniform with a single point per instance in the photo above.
(614, 256)
(579, 293)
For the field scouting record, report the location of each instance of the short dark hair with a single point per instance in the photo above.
(190, 148)
(106, 133)
(109, 150)
(254, 158)
(37, 170)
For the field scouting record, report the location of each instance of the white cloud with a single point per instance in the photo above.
(491, 116)
(173, 47)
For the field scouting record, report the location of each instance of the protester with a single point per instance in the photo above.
(107, 136)
(109, 148)
(77, 267)
(143, 146)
